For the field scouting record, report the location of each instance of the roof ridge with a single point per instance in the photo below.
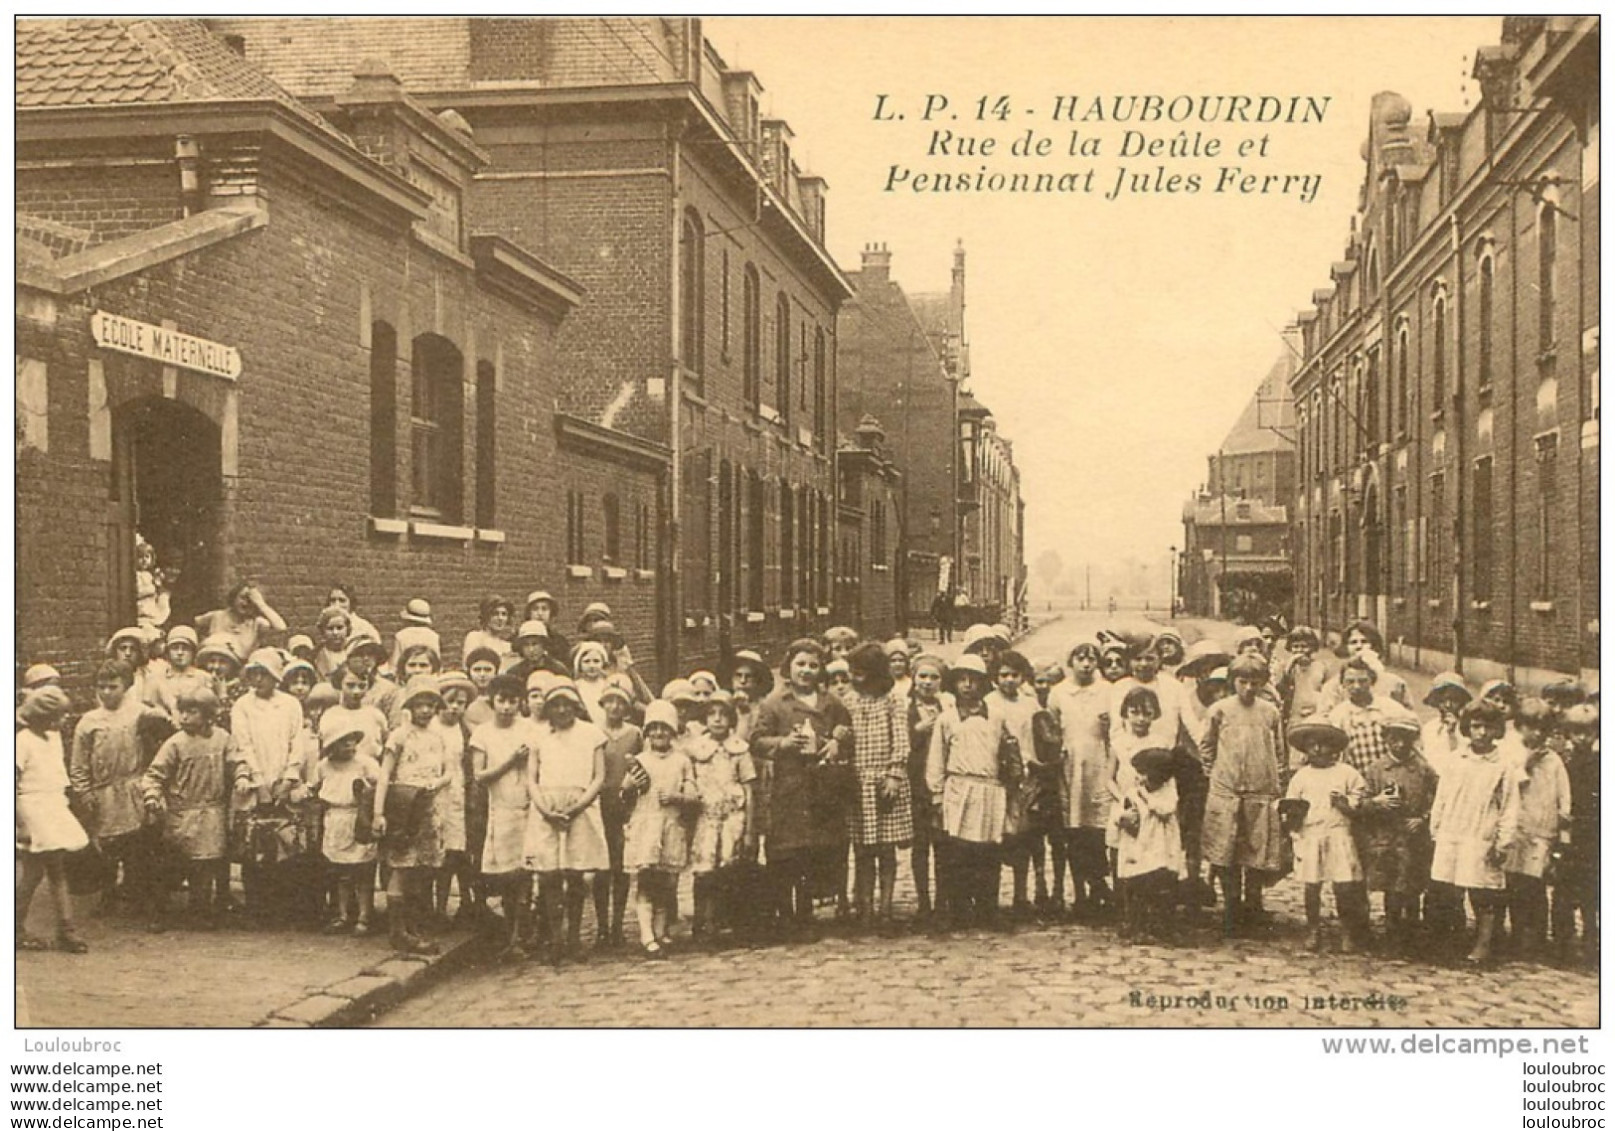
(190, 84)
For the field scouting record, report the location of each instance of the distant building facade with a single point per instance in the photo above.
(869, 558)
(906, 359)
(1236, 561)
(1448, 401)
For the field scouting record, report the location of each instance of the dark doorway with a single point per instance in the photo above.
(166, 484)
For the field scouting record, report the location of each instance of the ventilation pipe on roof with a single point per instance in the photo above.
(188, 156)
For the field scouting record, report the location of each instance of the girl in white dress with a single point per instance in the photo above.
(46, 828)
(657, 841)
(500, 750)
(1475, 818)
(566, 836)
(1331, 792)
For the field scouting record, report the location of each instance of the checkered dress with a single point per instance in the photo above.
(880, 742)
(1366, 744)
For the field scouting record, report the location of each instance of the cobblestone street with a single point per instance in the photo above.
(1061, 975)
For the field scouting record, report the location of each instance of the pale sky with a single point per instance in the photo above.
(1115, 341)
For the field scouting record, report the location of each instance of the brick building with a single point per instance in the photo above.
(869, 518)
(272, 346)
(894, 366)
(1448, 401)
(629, 154)
(907, 356)
(1236, 558)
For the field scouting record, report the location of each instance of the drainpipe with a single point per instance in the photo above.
(674, 601)
(1458, 432)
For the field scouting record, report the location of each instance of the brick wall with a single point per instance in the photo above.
(295, 297)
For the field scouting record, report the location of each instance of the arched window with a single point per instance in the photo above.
(751, 316)
(692, 294)
(383, 420)
(487, 444)
(437, 407)
(1402, 405)
(820, 388)
(787, 546)
(1438, 355)
(782, 355)
(1483, 367)
(1546, 260)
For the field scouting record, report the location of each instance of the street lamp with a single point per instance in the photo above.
(1172, 583)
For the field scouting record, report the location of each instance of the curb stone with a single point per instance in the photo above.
(360, 997)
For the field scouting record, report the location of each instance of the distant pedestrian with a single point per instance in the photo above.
(942, 615)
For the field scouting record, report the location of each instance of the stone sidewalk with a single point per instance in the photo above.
(235, 977)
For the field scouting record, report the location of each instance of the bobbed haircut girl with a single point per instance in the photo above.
(1481, 710)
(1142, 699)
(1015, 662)
(868, 660)
(794, 649)
(1369, 632)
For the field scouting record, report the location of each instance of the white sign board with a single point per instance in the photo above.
(114, 332)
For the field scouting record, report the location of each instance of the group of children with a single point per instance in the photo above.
(544, 775)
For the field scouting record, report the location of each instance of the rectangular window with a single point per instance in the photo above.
(1484, 350)
(820, 399)
(756, 528)
(723, 321)
(383, 420)
(787, 546)
(574, 528)
(1437, 532)
(1547, 454)
(436, 410)
(642, 556)
(1337, 550)
(1482, 534)
(487, 440)
(1400, 524)
(1242, 544)
(751, 315)
(1439, 359)
(611, 529)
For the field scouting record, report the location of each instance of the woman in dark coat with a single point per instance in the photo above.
(805, 735)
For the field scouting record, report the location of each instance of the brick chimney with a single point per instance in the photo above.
(877, 261)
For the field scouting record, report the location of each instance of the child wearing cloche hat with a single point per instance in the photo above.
(1330, 793)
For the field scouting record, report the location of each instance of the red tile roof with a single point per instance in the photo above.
(107, 62)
